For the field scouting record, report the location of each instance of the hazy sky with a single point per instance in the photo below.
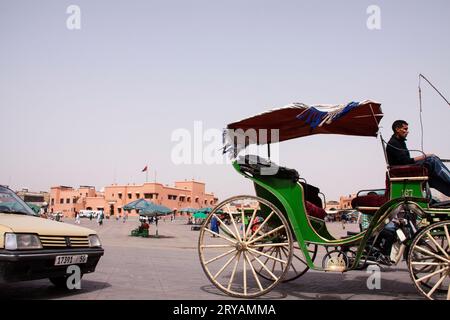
(94, 106)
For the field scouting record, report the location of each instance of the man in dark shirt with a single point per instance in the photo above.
(398, 154)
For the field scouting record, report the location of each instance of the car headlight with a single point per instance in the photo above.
(94, 241)
(20, 241)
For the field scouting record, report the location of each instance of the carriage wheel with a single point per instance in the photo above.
(232, 257)
(429, 261)
(298, 265)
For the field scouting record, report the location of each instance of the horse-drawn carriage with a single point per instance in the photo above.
(275, 236)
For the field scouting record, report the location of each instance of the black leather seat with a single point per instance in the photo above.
(254, 165)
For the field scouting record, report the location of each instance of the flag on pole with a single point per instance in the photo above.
(145, 169)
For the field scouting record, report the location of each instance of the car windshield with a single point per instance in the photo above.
(11, 203)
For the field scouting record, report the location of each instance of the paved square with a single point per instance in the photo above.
(169, 268)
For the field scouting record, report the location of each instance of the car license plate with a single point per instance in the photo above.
(65, 260)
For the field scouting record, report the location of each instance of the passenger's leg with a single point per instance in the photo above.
(439, 175)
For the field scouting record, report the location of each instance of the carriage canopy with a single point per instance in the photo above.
(299, 120)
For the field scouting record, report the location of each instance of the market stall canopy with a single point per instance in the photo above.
(204, 210)
(189, 210)
(200, 215)
(154, 210)
(299, 120)
(147, 208)
(136, 205)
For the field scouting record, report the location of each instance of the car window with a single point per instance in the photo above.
(11, 203)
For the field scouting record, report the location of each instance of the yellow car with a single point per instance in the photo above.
(35, 248)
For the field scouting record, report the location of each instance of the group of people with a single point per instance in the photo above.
(100, 218)
(43, 213)
(124, 218)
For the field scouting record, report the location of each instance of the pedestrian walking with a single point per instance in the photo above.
(77, 217)
(100, 218)
(214, 226)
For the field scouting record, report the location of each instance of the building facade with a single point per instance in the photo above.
(184, 194)
(38, 198)
(345, 202)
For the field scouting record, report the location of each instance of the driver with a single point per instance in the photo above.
(398, 154)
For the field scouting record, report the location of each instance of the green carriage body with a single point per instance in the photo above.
(266, 241)
(288, 197)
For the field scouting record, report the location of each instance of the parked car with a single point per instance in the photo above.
(35, 248)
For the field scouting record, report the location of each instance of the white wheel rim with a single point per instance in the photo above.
(232, 258)
(429, 261)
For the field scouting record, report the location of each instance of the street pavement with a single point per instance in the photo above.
(168, 268)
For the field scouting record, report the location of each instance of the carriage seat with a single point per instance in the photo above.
(412, 170)
(254, 164)
(369, 204)
(315, 211)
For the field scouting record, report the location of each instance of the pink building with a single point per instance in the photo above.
(184, 194)
(345, 202)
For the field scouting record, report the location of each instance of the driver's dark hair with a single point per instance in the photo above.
(398, 124)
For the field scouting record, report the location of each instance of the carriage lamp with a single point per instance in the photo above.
(94, 241)
(21, 241)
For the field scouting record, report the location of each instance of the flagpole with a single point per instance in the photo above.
(155, 176)
(146, 174)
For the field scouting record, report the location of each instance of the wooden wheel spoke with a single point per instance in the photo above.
(300, 259)
(280, 256)
(431, 274)
(224, 225)
(266, 255)
(250, 222)
(244, 272)
(263, 266)
(286, 252)
(429, 246)
(221, 236)
(267, 234)
(234, 222)
(277, 255)
(447, 235)
(436, 286)
(260, 227)
(431, 253)
(216, 246)
(220, 256)
(254, 273)
(428, 263)
(267, 259)
(234, 270)
(448, 292)
(280, 244)
(437, 244)
(224, 266)
(421, 258)
(243, 225)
